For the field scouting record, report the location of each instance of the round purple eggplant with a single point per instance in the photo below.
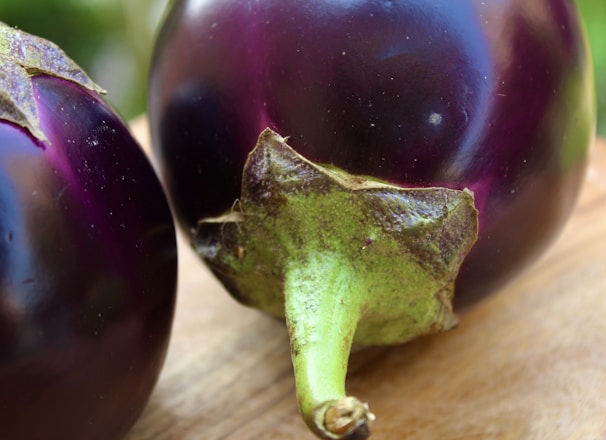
(493, 96)
(88, 260)
(489, 99)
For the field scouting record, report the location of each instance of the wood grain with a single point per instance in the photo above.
(528, 363)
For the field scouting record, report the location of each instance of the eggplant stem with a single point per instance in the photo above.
(323, 309)
(344, 259)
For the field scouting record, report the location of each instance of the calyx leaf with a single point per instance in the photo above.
(404, 244)
(344, 259)
(22, 56)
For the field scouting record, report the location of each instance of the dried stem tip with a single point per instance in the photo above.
(348, 416)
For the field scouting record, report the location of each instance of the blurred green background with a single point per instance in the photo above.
(112, 40)
(594, 16)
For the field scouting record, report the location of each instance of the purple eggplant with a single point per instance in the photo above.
(493, 96)
(88, 259)
(492, 100)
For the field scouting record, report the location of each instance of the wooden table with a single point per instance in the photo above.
(527, 363)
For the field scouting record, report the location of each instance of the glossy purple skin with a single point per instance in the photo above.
(495, 96)
(88, 270)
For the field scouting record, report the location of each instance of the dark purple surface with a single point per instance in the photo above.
(88, 271)
(495, 96)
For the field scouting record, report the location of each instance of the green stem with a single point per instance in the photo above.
(345, 259)
(322, 312)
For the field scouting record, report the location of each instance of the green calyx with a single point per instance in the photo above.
(345, 260)
(22, 56)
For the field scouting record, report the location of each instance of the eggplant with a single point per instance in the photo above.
(88, 256)
(257, 108)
